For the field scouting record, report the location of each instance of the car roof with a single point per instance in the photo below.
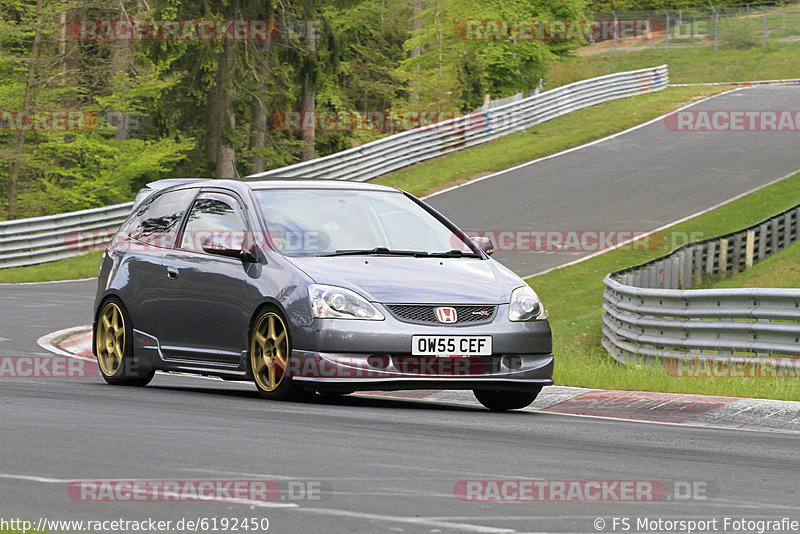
(242, 186)
(318, 184)
(239, 185)
(168, 182)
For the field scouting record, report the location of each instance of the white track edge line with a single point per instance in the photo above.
(586, 145)
(668, 225)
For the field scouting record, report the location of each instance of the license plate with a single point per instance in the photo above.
(451, 345)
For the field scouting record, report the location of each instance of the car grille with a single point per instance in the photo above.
(425, 314)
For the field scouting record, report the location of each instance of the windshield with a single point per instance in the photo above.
(333, 221)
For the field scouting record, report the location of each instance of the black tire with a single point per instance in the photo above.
(500, 401)
(113, 347)
(268, 357)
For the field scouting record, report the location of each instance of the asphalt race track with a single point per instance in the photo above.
(380, 465)
(374, 464)
(637, 181)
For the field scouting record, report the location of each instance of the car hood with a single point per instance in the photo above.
(399, 279)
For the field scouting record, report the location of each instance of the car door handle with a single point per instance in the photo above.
(172, 273)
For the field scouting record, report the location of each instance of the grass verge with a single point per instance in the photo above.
(547, 138)
(85, 266)
(686, 65)
(781, 270)
(574, 297)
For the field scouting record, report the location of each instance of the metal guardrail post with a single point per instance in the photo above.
(716, 28)
(651, 316)
(615, 32)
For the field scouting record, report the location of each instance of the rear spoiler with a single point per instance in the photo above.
(159, 185)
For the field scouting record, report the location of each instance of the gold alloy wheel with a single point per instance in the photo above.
(110, 339)
(269, 351)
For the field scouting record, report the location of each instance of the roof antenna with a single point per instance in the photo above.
(233, 160)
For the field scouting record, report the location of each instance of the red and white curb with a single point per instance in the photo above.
(75, 342)
(662, 408)
(643, 406)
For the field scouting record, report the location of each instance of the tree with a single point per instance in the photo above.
(455, 65)
(18, 142)
(67, 155)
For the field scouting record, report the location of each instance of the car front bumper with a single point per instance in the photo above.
(392, 336)
(345, 355)
(350, 372)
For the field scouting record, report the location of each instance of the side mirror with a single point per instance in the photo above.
(485, 244)
(229, 246)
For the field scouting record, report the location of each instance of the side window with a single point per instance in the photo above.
(158, 222)
(213, 214)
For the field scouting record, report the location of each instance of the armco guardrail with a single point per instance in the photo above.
(400, 150)
(43, 239)
(650, 318)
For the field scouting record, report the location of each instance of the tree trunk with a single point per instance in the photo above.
(213, 118)
(309, 96)
(62, 42)
(68, 63)
(258, 130)
(258, 136)
(121, 61)
(227, 119)
(416, 26)
(19, 136)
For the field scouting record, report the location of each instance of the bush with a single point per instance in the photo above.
(739, 33)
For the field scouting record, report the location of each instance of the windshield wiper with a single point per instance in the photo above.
(376, 250)
(453, 254)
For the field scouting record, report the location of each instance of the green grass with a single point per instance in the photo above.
(781, 270)
(573, 296)
(85, 266)
(547, 138)
(686, 65)
(783, 20)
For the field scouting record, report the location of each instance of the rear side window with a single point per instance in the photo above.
(213, 214)
(158, 222)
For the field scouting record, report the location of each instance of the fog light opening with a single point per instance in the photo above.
(512, 362)
(378, 362)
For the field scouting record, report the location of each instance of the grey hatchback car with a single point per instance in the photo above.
(314, 286)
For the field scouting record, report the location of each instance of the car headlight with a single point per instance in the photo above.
(331, 302)
(525, 305)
